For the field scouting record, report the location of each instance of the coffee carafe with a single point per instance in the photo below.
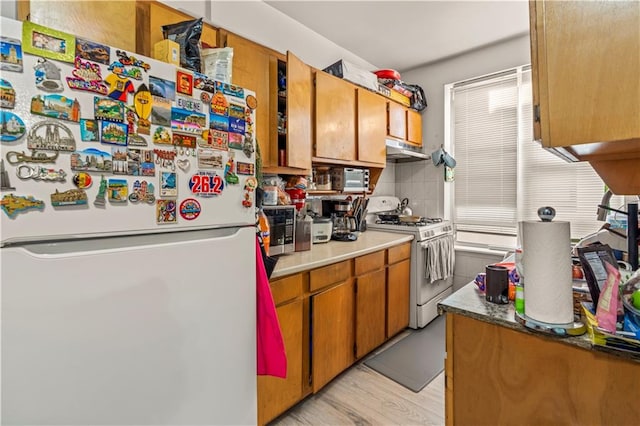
(342, 228)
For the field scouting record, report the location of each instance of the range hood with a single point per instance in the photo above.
(402, 152)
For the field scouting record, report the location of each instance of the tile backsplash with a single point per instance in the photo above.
(422, 183)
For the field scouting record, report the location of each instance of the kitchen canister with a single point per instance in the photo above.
(497, 284)
(546, 260)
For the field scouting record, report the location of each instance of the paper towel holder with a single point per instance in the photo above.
(575, 328)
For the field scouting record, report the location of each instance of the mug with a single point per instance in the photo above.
(497, 284)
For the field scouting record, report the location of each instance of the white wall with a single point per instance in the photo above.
(8, 9)
(421, 182)
(263, 24)
(259, 22)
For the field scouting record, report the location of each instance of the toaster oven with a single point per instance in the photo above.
(347, 179)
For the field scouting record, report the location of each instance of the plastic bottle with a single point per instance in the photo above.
(265, 229)
(519, 300)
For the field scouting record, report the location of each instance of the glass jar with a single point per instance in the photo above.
(323, 179)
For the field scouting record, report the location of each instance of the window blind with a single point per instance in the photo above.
(485, 128)
(503, 176)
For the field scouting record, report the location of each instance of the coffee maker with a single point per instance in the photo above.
(341, 224)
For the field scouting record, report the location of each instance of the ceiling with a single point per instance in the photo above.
(402, 35)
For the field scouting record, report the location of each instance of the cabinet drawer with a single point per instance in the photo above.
(369, 262)
(335, 273)
(398, 253)
(286, 289)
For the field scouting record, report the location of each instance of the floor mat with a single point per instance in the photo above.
(415, 360)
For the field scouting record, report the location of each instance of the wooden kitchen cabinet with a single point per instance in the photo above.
(335, 119)
(414, 127)
(253, 66)
(372, 109)
(487, 364)
(396, 121)
(108, 22)
(370, 302)
(276, 395)
(404, 124)
(332, 331)
(134, 26)
(398, 297)
(585, 59)
(398, 281)
(297, 140)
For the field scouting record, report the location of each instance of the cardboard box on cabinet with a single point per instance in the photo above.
(167, 51)
(352, 73)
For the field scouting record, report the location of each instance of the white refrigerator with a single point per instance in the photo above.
(127, 238)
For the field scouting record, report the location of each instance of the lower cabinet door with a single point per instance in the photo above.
(332, 316)
(398, 297)
(276, 395)
(370, 311)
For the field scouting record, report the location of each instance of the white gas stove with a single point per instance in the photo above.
(433, 238)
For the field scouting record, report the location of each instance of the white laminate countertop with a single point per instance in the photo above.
(336, 251)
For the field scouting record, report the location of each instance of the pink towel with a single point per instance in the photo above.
(272, 358)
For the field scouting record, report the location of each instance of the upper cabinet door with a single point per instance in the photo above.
(335, 118)
(397, 121)
(372, 127)
(414, 127)
(251, 65)
(586, 74)
(298, 113)
(108, 22)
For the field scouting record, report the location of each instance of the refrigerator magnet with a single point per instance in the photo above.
(161, 111)
(92, 51)
(183, 164)
(142, 191)
(71, 197)
(99, 201)
(108, 109)
(165, 158)
(209, 158)
(10, 54)
(190, 209)
(56, 106)
(7, 94)
(12, 127)
(247, 146)
(14, 204)
(113, 133)
(49, 43)
(119, 87)
(162, 136)
(49, 135)
(245, 168)
(117, 190)
(92, 160)
(230, 176)
(89, 130)
(165, 211)
(87, 77)
(168, 184)
(184, 83)
(5, 183)
(132, 61)
(206, 184)
(82, 180)
(48, 76)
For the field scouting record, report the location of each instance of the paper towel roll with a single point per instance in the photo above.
(546, 259)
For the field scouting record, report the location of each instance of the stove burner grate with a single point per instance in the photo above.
(423, 221)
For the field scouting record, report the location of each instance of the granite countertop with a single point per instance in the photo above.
(336, 251)
(469, 301)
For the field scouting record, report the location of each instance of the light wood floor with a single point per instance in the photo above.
(362, 396)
